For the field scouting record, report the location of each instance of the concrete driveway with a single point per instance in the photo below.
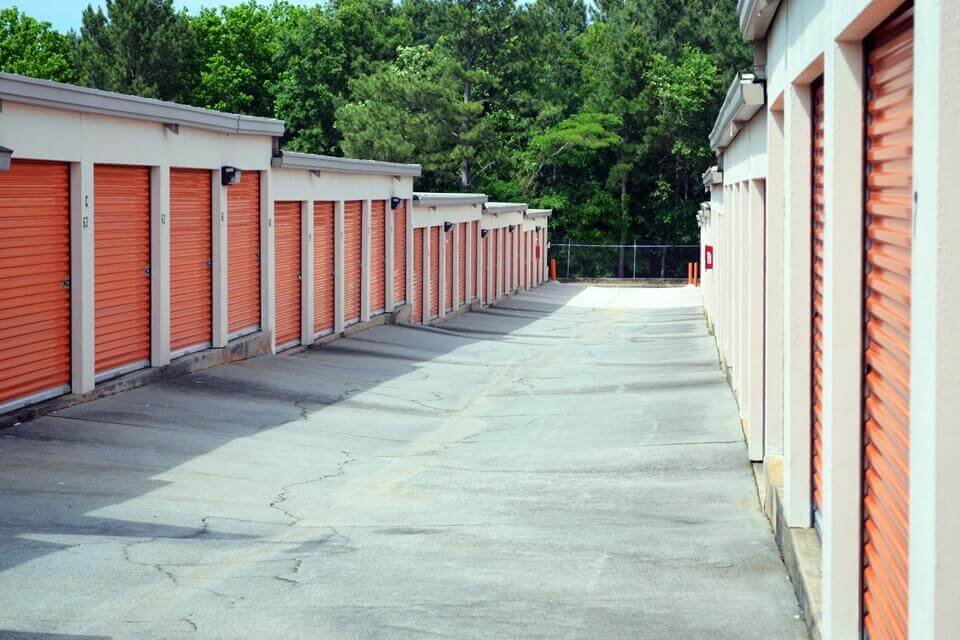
(565, 465)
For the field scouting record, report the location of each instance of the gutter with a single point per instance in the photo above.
(745, 97)
(504, 207)
(314, 162)
(68, 97)
(422, 199)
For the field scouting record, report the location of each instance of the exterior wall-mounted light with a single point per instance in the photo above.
(447, 226)
(484, 232)
(512, 227)
(394, 202)
(5, 155)
(229, 175)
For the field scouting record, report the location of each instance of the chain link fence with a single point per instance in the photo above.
(622, 261)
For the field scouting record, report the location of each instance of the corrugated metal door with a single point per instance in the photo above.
(495, 265)
(288, 277)
(121, 238)
(400, 253)
(484, 247)
(243, 255)
(378, 262)
(323, 267)
(448, 276)
(511, 256)
(352, 259)
(417, 297)
(462, 261)
(523, 260)
(434, 272)
(191, 273)
(886, 407)
(475, 244)
(34, 282)
(816, 301)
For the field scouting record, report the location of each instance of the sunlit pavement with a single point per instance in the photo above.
(567, 464)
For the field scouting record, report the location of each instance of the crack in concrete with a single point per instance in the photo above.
(283, 496)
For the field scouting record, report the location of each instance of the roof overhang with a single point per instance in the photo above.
(712, 176)
(505, 207)
(421, 199)
(535, 213)
(314, 162)
(68, 97)
(745, 97)
(755, 17)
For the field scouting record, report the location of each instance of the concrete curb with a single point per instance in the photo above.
(799, 548)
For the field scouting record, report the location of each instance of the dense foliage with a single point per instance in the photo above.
(601, 113)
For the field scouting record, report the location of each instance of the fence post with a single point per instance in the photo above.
(634, 259)
(568, 258)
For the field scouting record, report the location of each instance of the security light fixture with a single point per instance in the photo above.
(5, 155)
(229, 175)
(447, 226)
(484, 232)
(512, 227)
(394, 202)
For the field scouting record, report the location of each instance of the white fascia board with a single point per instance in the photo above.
(536, 213)
(422, 199)
(314, 162)
(712, 176)
(745, 97)
(505, 207)
(68, 97)
(756, 17)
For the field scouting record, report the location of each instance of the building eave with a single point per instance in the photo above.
(315, 162)
(421, 199)
(755, 17)
(68, 97)
(505, 207)
(744, 99)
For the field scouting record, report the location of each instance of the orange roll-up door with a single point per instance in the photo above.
(352, 257)
(121, 284)
(417, 297)
(462, 261)
(474, 242)
(400, 253)
(191, 256)
(243, 255)
(484, 270)
(494, 263)
(323, 266)
(34, 282)
(887, 266)
(816, 301)
(378, 262)
(288, 278)
(511, 256)
(434, 272)
(448, 276)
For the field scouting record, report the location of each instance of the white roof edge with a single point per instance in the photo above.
(755, 17)
(712, 176)
(535, 213)
(424, 199)
(315, 162)
(58, 95)
(745, 97)
(505, 207)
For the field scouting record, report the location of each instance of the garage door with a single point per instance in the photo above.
(474, 226)
(323, 267)
(400, 253)
(377, 257)
(352, 256)
(495, 267)
(462, 262)
(34, 282)
(886, 408)
(485, 269)
(417, 297)
(121, 285)
(450, 261)
(243, 255)
(434, 272)
(191, 273)
(288, 277)
(816, 303)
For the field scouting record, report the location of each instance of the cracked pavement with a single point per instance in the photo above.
(567, 464)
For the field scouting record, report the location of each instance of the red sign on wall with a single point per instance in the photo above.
(708, 257)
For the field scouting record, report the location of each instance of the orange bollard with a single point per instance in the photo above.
(696, 274)
(689, 273)
(553, 269)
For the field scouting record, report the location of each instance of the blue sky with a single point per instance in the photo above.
(65, 14)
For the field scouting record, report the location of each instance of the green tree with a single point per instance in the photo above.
(32, 48)
(137, 46)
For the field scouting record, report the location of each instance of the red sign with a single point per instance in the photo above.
(708, 257)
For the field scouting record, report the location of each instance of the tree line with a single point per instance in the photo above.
(598, 111)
